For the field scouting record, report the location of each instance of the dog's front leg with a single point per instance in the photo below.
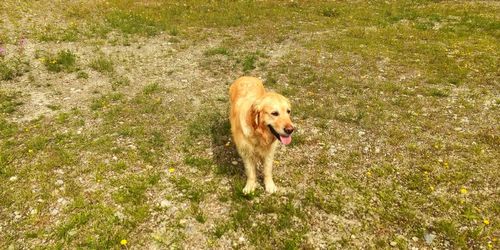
(251, 176)
(268, 174)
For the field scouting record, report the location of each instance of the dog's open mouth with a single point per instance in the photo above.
(285, 139)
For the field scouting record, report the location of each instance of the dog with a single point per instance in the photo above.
(260, 120)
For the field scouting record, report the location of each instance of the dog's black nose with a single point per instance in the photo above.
(289, 129)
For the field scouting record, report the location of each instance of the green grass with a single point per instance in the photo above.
(9, 102)
(249, 63)
(53, 33)
(102, 65)
(151, 88)
(82, 75)
(396, 104)
(218, 51)
(13, 67)
(132, 23)
(191, 191)
(119, 82)
(64, 60)
(283, 223)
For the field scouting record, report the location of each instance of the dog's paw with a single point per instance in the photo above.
(249, 187)
(271, 187)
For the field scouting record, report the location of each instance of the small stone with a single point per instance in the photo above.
(119, 215)
(54, 211)
(414, 238)
(13, 178)
(59, 182)
(182, 221)
(115, 158)
(332, 150)
(393, 243)
(429, 237)
(241, 239)
(165, 203)
(190, 228)
(234, 163)
(33, 211)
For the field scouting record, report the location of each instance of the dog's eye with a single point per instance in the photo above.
(275, 113)
(288, 111)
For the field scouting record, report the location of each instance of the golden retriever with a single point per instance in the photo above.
(259, 121)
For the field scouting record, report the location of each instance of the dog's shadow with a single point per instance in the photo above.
(224, 150)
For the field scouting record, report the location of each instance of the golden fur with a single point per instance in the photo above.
(253, 110)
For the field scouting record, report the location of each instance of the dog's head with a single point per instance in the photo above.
(271, 113)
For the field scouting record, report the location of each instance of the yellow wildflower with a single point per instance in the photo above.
(432, 188)
(463, 190)
(486, 221)
(369, 173)
(123, 242)
(171, 170)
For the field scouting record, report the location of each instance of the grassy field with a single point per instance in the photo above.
(114, 130)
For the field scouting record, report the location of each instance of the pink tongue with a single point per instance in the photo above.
(286, 140)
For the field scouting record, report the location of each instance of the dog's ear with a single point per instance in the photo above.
(255, 111)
